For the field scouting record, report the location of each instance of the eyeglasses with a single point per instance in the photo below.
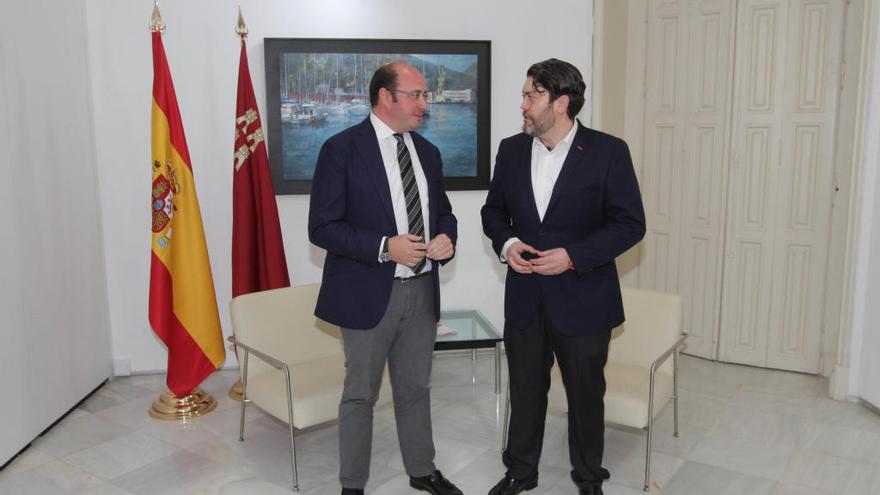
(533, 96)
(415, 95)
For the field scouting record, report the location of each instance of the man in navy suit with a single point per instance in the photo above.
(379, 208)
(563, 203)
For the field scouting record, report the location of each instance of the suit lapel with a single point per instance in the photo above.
(576, 155)
(368, 148)
(525, 171)
(428, 169)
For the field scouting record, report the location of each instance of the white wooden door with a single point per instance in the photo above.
(781, 182)
(737, 172)
(688, 94)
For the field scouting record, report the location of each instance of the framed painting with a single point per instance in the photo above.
(315, 88)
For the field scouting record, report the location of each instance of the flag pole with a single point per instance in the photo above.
(236, 392)
(156, 24)
(241, 28)
(197, 402)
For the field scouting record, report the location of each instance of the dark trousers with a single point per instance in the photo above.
(581, 359)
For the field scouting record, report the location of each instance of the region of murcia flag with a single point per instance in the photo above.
(183, 306)
(258, 261)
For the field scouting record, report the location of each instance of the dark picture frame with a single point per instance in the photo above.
(326, 84)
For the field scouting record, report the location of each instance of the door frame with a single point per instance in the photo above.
(840, 374)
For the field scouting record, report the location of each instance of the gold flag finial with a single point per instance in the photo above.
(241, 29)
(156, 24)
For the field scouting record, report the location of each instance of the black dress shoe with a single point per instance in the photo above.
(512, 486)
(352, 491)
(435, 484)
(593, 490)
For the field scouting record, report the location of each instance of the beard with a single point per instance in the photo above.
(538, 125)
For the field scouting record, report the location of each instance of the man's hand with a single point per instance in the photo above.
(515, 259)
(440, 248)
(406, 249)
(551, 262)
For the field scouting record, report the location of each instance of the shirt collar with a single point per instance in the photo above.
(570, 136)
(564, 142)
(382, 130)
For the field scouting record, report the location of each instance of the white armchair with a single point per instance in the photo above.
(300, 365)
(640, 379)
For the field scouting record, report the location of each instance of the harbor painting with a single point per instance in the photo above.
(317, 87)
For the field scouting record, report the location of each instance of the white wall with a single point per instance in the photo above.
(54, 336)
(865, 340)
(203, 54)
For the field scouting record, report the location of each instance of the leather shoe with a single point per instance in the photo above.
(512, 486)
(435, 484)
(593, 490)
(352, 491)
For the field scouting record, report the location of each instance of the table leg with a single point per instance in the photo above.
(474, 366)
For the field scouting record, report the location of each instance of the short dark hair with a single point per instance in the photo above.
(560, 78)
(384, 77)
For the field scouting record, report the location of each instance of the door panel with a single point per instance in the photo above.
(754, 179)
(789, 51)
(705, 168)
(689, 49)
(806, 184)
(664, 136)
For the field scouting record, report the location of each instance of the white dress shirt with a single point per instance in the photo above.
(546, 165)
(388, 148)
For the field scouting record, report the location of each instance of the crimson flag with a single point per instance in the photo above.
(258, 261)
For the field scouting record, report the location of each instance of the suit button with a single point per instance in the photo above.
(541, 232)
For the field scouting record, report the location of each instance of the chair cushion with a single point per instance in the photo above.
(626, 394)
(317, 389)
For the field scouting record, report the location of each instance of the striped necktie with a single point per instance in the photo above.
(411, 193)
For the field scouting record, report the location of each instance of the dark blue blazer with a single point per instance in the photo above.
(349, 213)
(595, 213)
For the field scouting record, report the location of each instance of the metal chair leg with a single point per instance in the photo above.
(650, 441)
(497, 368)
(293, 466)
(506, 417)
(675, 392)
(244, 383)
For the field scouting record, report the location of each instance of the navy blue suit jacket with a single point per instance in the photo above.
(349, 213)
(595, 212)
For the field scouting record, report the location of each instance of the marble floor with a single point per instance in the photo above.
(743, 431)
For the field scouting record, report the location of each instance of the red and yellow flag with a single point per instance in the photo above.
(183, 306)
(258, 261)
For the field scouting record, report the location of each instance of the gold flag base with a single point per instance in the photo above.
(235, 392)
(170, 408)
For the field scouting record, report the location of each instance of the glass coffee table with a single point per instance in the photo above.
(469, 329)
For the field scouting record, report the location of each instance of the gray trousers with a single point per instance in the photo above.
(404, 338)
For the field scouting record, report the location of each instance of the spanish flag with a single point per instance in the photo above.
(183, 306)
